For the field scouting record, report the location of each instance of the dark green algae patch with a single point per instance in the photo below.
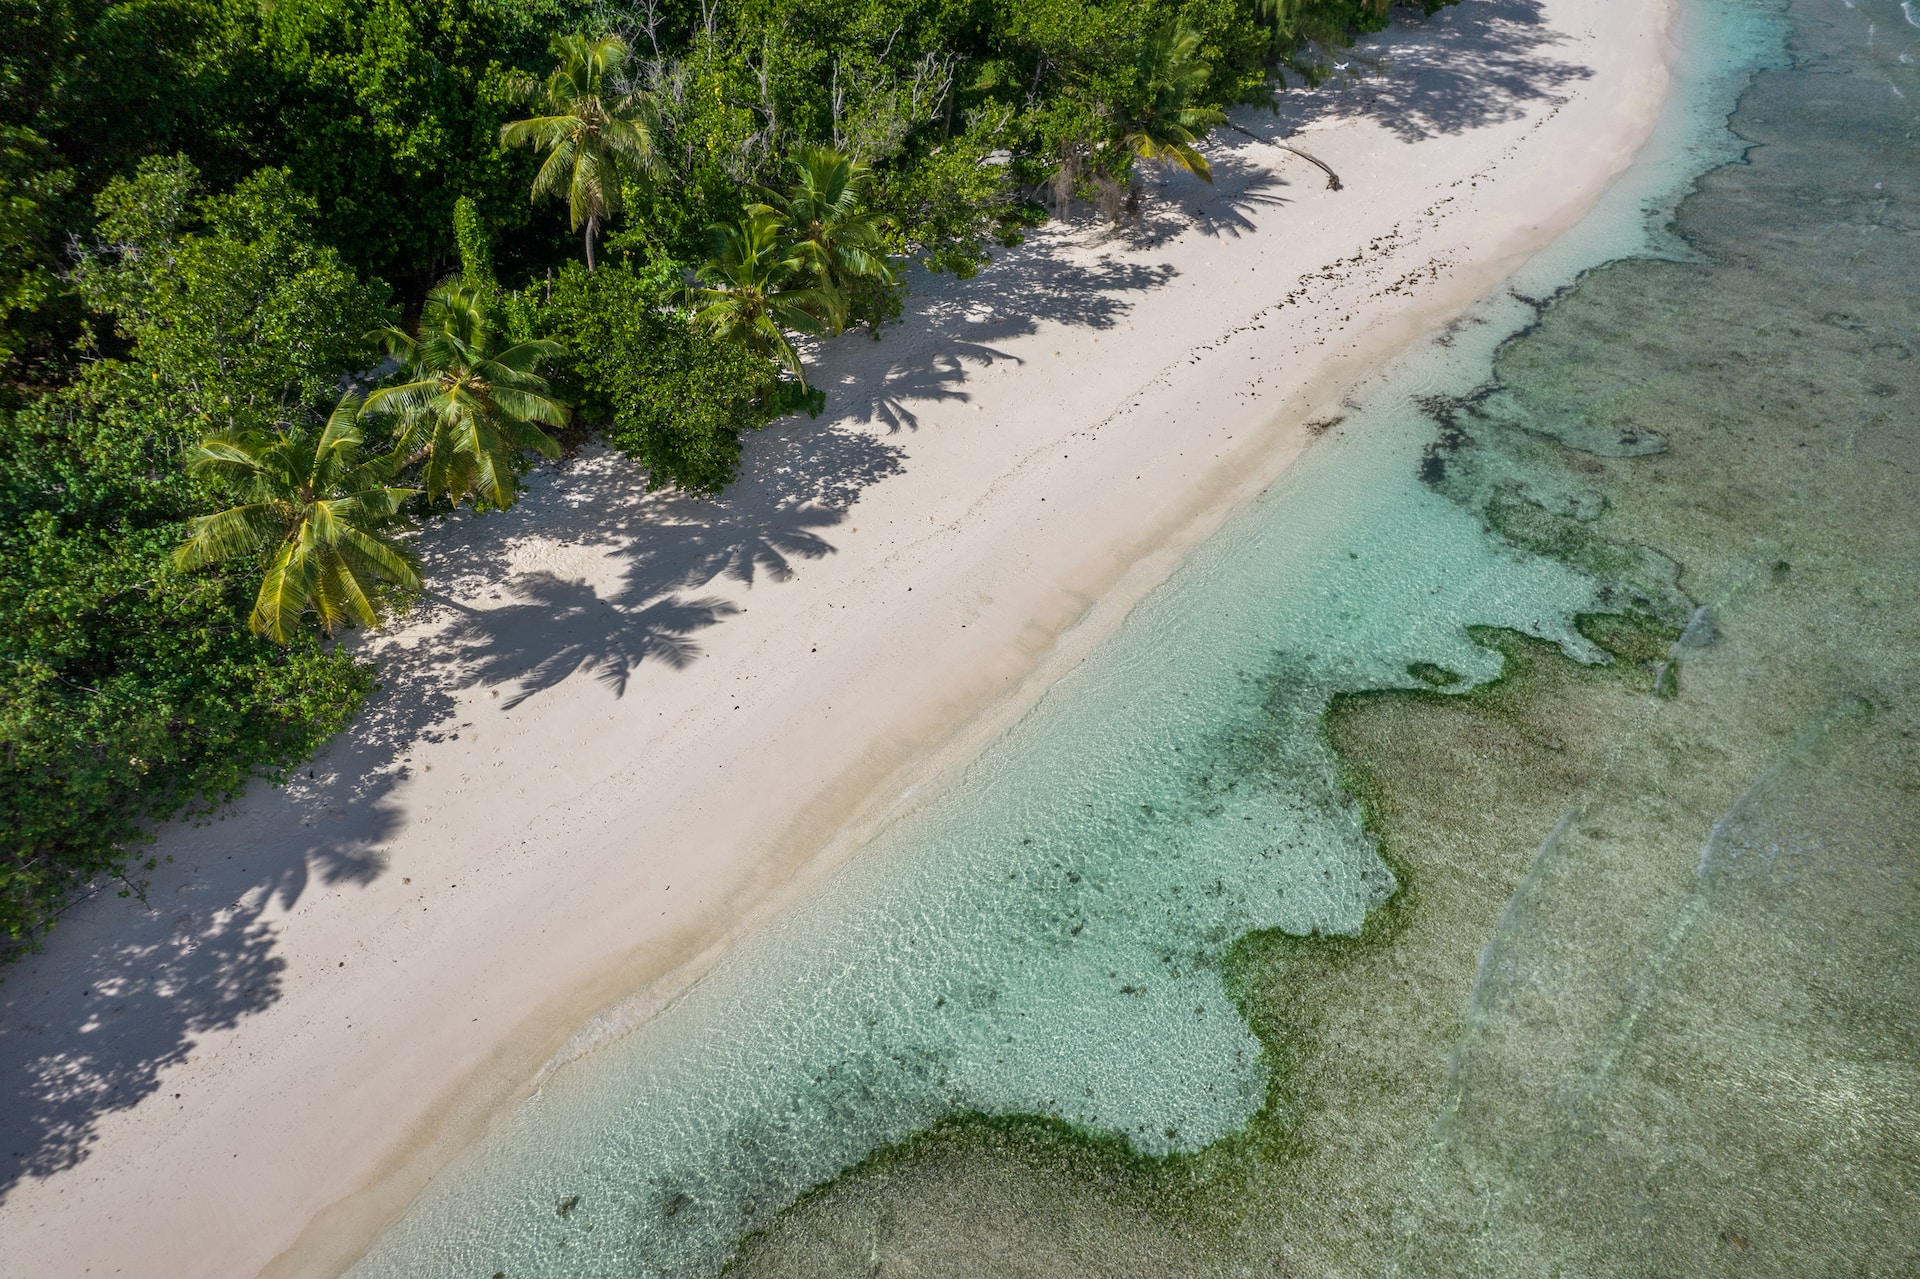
(1647, 999)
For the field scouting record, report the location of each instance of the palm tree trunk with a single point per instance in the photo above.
(1333, 179)
(593, 225)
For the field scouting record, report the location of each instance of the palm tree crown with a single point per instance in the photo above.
(469, 406)
(594, 140)
(754, 290)
(822, 220)
(1171, 76)
(325, 505)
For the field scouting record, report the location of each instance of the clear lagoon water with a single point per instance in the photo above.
(1047, 937)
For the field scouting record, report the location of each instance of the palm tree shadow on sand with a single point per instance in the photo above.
(557, 628)
(1468, 66)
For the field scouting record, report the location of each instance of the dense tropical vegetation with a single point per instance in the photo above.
(279, 281)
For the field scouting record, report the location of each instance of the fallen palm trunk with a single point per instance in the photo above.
(1333, 179)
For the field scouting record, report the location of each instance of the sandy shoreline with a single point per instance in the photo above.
(627, 729)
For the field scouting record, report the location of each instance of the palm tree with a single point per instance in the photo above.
(469, 407)
(326, 507)
(1171, 77)
(594, 142)
(822, 221)
(754, 292)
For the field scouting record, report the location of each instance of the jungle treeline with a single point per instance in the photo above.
(279, 279)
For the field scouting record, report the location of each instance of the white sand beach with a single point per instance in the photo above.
(622, 729)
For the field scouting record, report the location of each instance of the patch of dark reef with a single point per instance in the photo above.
(1645, 1000)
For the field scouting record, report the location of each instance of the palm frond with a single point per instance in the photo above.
(339, 597)
(556, 172)
(225, 535)
(398, 344)
(806, 310)
(519, 356)
(540, 131)
(587, 194)
(232, 455)
(527, 406)
(492, 474)
(382, 556)
(284, 591)
(523, 434)
(405, 398)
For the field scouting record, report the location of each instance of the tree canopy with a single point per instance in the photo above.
(470, 404)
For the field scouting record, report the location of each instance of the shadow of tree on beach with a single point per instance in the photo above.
(959, 328)
(1225, 209)
(557, 628)
(1467, 67)
(127, 986)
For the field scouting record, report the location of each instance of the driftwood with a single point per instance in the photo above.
(1333, 179)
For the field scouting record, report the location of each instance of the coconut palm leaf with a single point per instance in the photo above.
(341, 599)
(468, 406)
(753, 292)
(229, 533)
(320, 506)
(822, 223)
(521, 404)
(1171, 117)
(596, 139)
(286, 589)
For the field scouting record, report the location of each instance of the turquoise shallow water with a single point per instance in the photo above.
(1044, 938)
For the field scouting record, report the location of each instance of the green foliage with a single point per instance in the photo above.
(1298, 25)
(241, 323)
(30, 187)
(383, 112)
(1167, 118)
(1126, 86)
(470, 403)
(386, 112)
(954, 205)
(319, 509)
(831, 234)
(596, 139)
(665, 393)
(756, 288)
(476, 250)
(128, 692)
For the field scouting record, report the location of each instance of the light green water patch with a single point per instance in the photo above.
(1148, 943)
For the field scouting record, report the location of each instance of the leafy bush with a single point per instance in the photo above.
(671, 398)
(128, 691)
